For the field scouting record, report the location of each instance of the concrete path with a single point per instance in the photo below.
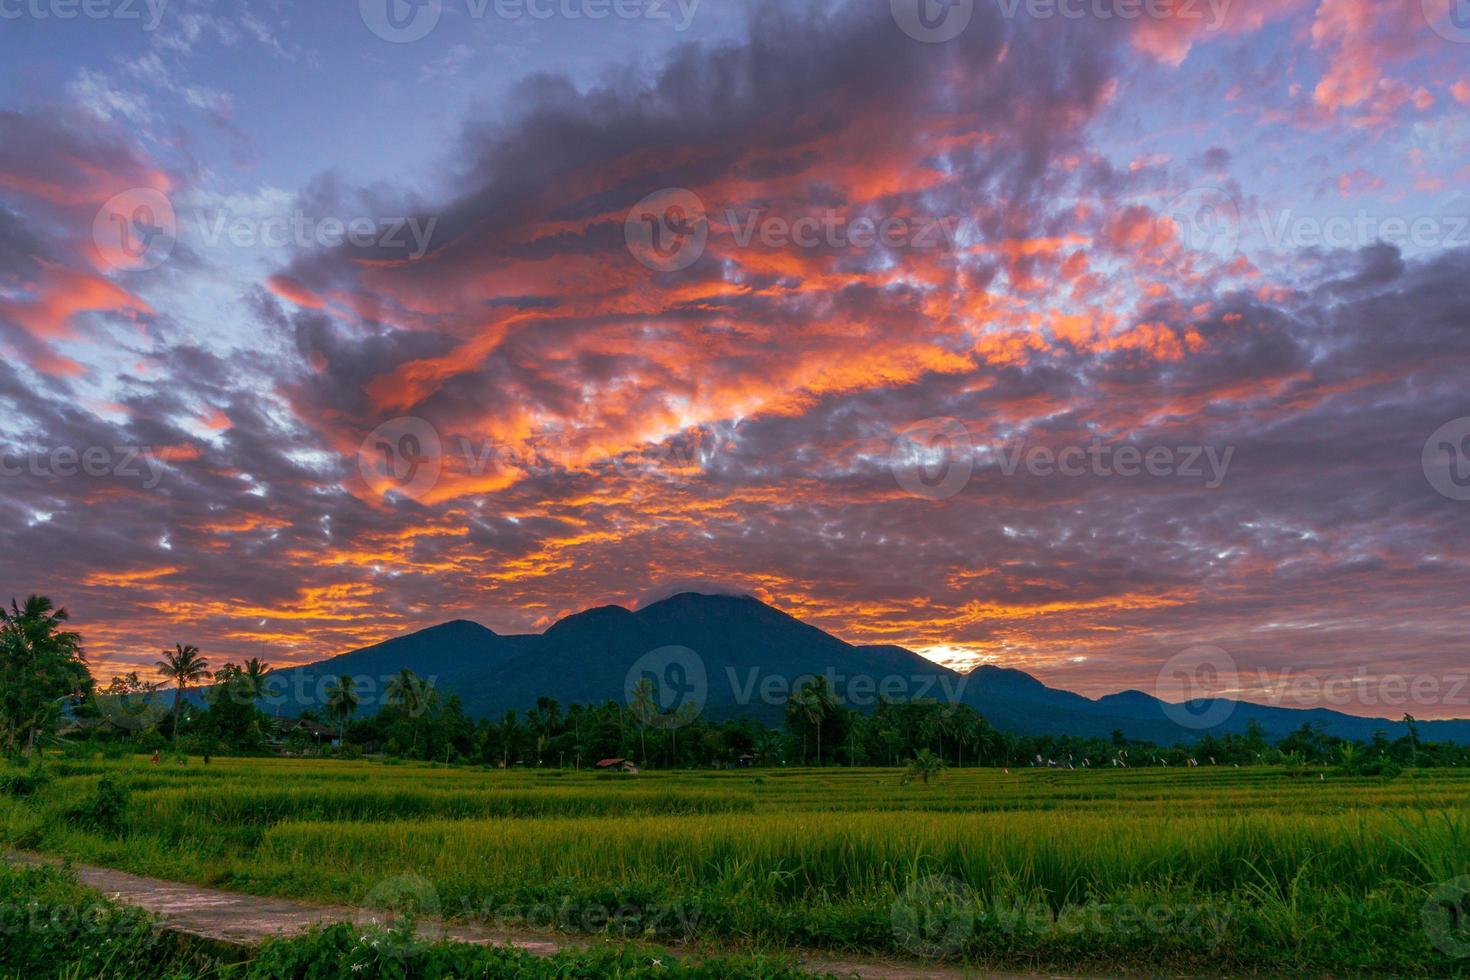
(247, 920)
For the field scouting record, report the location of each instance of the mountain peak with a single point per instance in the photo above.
(709, 607)
(700, 587)
(594, 618)
(453, 628)
(701, 599)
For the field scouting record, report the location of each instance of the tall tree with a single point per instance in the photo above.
(411, 694)
(41, 665)
(644, 708)
(342, 702)
(233, 714)
(253, 676)
(184, 666)
(815, 703)
(510, 731)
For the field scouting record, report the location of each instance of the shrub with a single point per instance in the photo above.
(57, 928)
(24, 784)
(105, 810)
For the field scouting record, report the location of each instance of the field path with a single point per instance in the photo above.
(234, 917)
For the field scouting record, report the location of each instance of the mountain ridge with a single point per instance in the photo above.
(737, 656)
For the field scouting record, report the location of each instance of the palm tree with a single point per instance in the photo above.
(41, 665)
(966, 730)
(924, 765)
(410, 693)
(811, 713)
(253, 676)
(683, 715)
(643, 705)
(342, 701)
(796, 716)
(550, 713)
(768, 746)
(183, 666)
(817, 702)
(509, 736)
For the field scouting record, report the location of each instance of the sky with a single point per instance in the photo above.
(1077, 336)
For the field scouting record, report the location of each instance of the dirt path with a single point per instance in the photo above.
(247, 920)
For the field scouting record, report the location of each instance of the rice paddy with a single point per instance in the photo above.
(1252, 870)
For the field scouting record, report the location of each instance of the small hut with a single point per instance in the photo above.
(617, 765)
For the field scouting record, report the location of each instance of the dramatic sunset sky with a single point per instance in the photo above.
(741, 420)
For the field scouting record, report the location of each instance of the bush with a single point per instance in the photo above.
(24, 784)
(105, 811)
(56, 927)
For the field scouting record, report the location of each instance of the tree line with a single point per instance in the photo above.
(49, 696)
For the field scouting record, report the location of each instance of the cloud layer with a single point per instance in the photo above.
(703, 321)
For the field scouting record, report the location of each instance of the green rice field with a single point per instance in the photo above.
(1180, 871)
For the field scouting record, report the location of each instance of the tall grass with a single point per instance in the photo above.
(1250, 869)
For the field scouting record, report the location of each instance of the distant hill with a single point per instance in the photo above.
(735, 656)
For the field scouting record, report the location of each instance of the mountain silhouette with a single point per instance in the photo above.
(731, 656)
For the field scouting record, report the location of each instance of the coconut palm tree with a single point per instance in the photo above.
(924, 765)
(769, 747)
(683, 715)
(411, 694)
(41, 665)
(644, 708)
(797, 707)
(184, 666)
(253, 676)
(817, 703)
(966, 730)
(510, 734)
(342, 702)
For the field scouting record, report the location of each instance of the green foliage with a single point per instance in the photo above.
(924, 766)
(41, 667)
(22, 784)
(811, 708)
(105, 809)
(234, 720)
(53, 927)
(341, 951)
(184, 666)
(342, 701)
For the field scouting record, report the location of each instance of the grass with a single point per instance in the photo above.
(1204, 870)
(70, 933)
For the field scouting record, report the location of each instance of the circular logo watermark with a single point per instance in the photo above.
(1446, 917)
(133, 711)
(136, 230)
(1203, 220)
(933, 458)
(667, 230)
(1191, 684)
(401, 21)
(1446, 459)
(1450, 19)
(126, 701)
(399, 902)
(401, 456)
(934, 916)
(932, 21)
(667, 687)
